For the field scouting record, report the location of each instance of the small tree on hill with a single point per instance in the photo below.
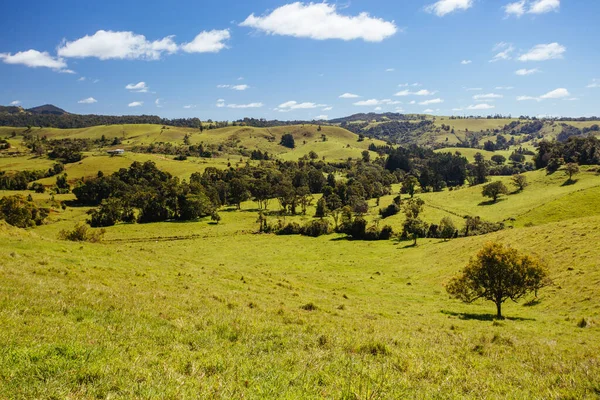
(571, 169)
(409, 185)
(498, 159)
(414, 226)
(287, 140)
(498, 273)
(446, 229)
(494, 190)
(520, 181)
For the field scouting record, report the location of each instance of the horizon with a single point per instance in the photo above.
(324, 60)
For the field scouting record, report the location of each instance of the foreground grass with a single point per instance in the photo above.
(260, 316)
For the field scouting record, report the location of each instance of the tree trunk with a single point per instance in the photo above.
(499, 310)
(415, 238)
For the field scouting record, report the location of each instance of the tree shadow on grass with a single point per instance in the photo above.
(570, 182)
(482, 317)
(490, 202)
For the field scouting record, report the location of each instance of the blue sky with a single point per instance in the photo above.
(283, 60)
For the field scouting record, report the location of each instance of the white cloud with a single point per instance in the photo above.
(89, 100)
(250, 105)
(517, 9)
(390, 70)
(524, 98)
(36, 59)
(207, 42)
(321, 118)
(482, 106)
(443, 7)
(293, 105)
(504, 87)
(473, 89)
(423, 92)
(543, 52)
(241, 78)
(504, 51)
(139, 87)
(107, 45)
(524, 71)
(376, 102)
(572, 99)
(234, 87)
(595, 84)
(81, 79)
(187, 107)
(487, 96)
(66, 71)
(466, 62)
(321, 21)
(409, 84)
(348, 96)
(556, 94)
(412, 102)
(377, 109)
(432, 101)
(15, 103)
(135, 104)
(158, 103)
(327, 109)
(544, 6)
(559, 93)
(428, 111)
(399, 109)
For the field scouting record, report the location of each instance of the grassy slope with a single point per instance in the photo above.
(214, 317)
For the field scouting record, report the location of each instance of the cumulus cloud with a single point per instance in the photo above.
(559, 93)
(504, 87)
(15, 103)
(36, 59)
(487, 96)
(432, 101)
(544, 6)
(158, 103)
(348, 96)
(139, 87)
(89, 100)
(377, 109)
(81, 79)
(443, 7)
(187, 107)
(327, 109)
(321, 118)
(376, 102)
(321, 21)
(543, 52)
(208, 42)
(234, 87)
(504, 51)
(473, 89)
(481, 106)
(466, 62)
(517, 9)
(409, 84)
(423, 92)
(294, 105)
(135, 104)
(524, 71)
(428, 111)
(107, 45)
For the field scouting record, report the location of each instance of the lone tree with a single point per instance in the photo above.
(571, 169)
(287, 140)
(446, 228)
(520, 181)
(409, 185)
(498, 273)
(494, 190)
(414, 226)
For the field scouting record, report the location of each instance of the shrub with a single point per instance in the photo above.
(316, 228)
(19, 212)
(292, 228)
(389, 211)
(81, 233)
(386, 233)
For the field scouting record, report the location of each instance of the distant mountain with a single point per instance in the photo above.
(47, 109)
(11, 110)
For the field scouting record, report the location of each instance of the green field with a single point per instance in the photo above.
(204, 310)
